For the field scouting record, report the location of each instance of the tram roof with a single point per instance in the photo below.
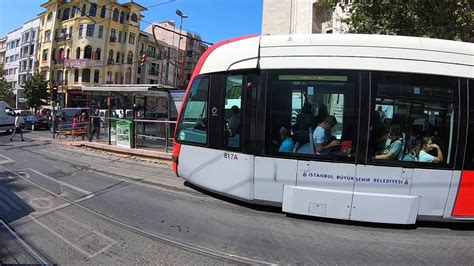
(344, 51)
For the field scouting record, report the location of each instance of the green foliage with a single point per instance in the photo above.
(36, 91)
(443, 19)
(6, 91)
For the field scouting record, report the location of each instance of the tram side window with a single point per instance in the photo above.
(412, 118)
(312, 114)
(233, 111)
(194, 123)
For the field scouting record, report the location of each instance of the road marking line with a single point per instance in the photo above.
(59, 182)
(7, 160)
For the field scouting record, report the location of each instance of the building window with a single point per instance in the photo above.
(110, 59)
(76, 75)
(115, 15)
(81, 27)
(90, 30)
(97, 54)
(88, 52)
(45, 55)
(101, 31)
(78, 52)
(312, 114)
(109, 77)
(117, 57)
(49, 16)
(53, 54)
(116, 81)
(66, 13)
(112, 35)
(83, 11)
(102, 12)
(120, 37)
(130, 57)
(59, 13)
(73, 11)
(122, 17)
(68, 52)
(125, 37)
(131, 38)
(134, 17)
(96, 76)
(61, 54)
(93, 10)
(86, 75)
(412, 119)
(47, 36)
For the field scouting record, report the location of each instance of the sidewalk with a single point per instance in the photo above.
(122, 150)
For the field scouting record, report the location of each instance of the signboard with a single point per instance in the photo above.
(80, 63)
(123, 133)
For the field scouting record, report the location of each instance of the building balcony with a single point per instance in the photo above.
(110, 62)
(153, 73)
(113, 39)
(63, 38)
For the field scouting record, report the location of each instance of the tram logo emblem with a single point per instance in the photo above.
(214, 111)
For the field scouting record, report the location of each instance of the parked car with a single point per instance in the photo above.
(34, 122)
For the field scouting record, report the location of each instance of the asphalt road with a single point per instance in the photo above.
(76, 205)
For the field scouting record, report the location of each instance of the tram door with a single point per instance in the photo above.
(464, 206)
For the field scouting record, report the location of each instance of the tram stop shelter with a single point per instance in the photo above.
(132, 115)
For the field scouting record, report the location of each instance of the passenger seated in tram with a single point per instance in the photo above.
(287, 144)
(324, 142)
(303, 122)
(393, 145)
(234, 121)
(428, 146)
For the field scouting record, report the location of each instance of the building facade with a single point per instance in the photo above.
(190, 49)
(86, 43)
(3, 49)
(158, 67)
(304, 17)
(20, 51)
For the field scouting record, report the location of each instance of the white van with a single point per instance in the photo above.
(7, 117)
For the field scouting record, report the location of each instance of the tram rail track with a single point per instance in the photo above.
(194, 248)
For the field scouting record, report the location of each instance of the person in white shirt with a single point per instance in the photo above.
(427, 145)
(18, 122)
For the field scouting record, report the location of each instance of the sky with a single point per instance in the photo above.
(213, 20)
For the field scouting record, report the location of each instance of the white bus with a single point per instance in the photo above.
(358, 127)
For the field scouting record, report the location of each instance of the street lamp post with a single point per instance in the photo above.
(182, 16)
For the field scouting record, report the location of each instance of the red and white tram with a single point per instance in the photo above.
(398, 147)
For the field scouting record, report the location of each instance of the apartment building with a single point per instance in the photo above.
(304, 17)
(20, 46)
(158, 67)
(3, 49)
(88, 42)
(190, 49)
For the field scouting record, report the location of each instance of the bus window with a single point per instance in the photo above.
(412, 118)
(233, 111)
(193, 124)
(312, 114)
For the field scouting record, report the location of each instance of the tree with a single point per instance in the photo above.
(443, 19)
(6, 91)
(36, 91)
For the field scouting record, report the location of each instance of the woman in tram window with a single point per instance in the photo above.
(393, 146)
(427, 145)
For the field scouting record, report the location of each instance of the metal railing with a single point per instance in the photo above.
(154, 134)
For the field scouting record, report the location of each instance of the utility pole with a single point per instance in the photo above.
(182, 16)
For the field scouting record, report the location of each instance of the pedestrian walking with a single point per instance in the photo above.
(18, 122)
